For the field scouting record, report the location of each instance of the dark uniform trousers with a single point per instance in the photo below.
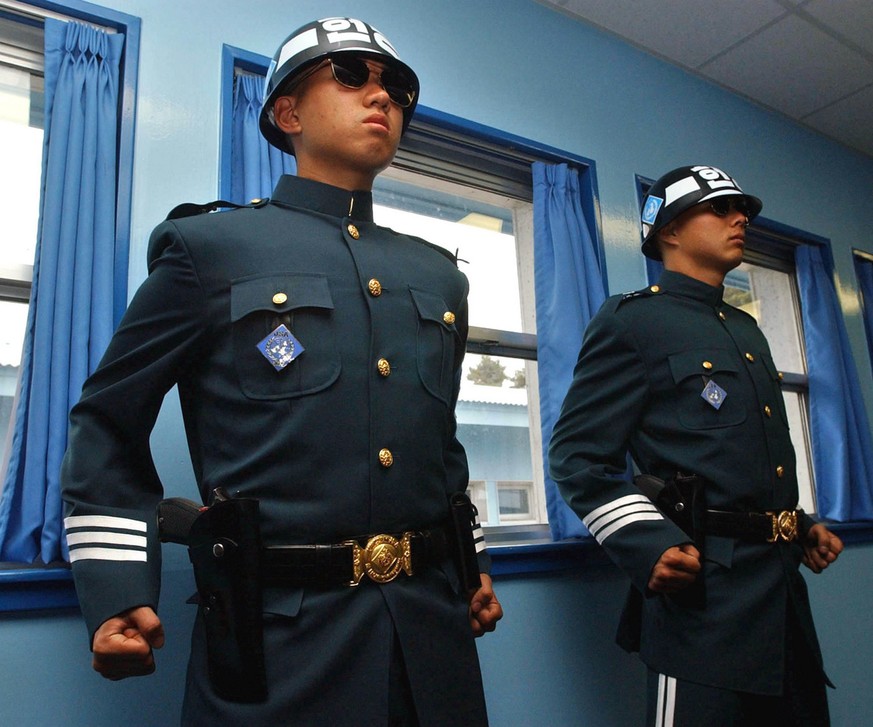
(350, 432)
(803, 703)
(686, 384)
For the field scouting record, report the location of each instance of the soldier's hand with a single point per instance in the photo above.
(677, 568)
(820, 548)
(123, 644)
(485, 609)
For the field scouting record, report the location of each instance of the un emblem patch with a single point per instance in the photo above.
(650, 209)
(280, 348)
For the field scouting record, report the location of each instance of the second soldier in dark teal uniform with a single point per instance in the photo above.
(686, 384)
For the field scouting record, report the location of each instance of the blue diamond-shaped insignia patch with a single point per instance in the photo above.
(713, 395)
(280, 348)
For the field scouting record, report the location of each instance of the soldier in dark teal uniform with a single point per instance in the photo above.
(318, 360)
(686, 384)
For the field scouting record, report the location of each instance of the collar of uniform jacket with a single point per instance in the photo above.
(324, 198)
(679, 284)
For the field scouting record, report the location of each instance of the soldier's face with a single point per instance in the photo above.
(702, 240)
(342, 136)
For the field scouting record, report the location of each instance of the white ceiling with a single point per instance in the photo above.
(811, 60)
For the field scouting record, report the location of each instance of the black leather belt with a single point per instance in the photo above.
(769, 527)
(379, 557)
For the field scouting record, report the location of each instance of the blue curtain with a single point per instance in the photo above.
(654, 268)
(569, 286)
(255, 165)
(841, 444)
(70, 319)
(864, 271)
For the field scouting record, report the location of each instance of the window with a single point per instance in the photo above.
(471, 192)
(469, 189)
(764, 286)
(497, 407)
(21, 133)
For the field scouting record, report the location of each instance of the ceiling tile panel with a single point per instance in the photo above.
(851, 19)
(847, 120)
(810, 59)
(688, 32)
(793, 67)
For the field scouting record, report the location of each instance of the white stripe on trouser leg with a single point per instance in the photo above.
(666, 701)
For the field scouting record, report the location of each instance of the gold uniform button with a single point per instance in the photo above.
(780, 376)
(386, 459)
(750, 358)
(780, 471)
(707, 365)
(383, 367)
(768, 411)
(353, 231)
(655, 288)
(722, 316)
(448, 318)
(375, 288)
(279, 298)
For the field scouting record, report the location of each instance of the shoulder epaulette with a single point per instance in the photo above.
(642, 293)
(452, 257)
(189, 209)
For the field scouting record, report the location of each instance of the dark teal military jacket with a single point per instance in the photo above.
(645, 361)
(355, 436)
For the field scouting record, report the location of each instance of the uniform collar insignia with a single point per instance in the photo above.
(324, 198)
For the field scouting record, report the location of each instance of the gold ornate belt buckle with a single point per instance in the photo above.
(382, 559)
(784, 526)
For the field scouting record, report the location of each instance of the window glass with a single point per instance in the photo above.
(498, 424)
(13, 317)
(796, 406)
(770, 297)
(21, 151)
(21, 138)
(769, 294)
(468, 223)
(516, 501)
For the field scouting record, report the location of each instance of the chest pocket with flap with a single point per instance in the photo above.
(305, 305)
(438, 339)
(690, 371)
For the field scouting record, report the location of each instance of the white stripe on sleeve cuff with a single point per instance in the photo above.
(608, 519)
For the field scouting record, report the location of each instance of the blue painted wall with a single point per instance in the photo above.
(516, 66)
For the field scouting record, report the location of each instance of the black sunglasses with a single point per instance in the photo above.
(353, 72)
(722, 206)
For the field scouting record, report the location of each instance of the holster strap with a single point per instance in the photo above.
(770, 527)
(380, 557)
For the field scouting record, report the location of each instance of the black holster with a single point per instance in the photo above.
(682, 499)
(224, 546)
(464, 514)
